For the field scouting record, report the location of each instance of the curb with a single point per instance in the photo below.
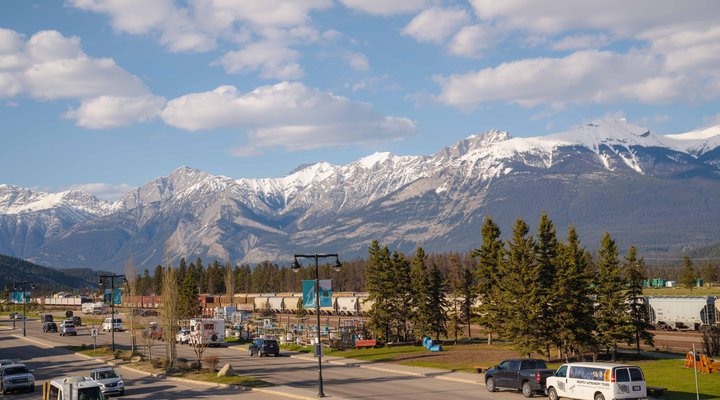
(172, 378)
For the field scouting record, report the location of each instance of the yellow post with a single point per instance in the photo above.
(46, 390)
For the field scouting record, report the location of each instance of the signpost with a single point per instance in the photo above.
(94, 333)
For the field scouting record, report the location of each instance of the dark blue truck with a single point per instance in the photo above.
(527, 375)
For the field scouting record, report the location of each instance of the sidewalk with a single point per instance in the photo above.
(435, 373)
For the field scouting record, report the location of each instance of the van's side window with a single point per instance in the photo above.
(636, 374)
(589, 373)
(562, 371)
(622, 375)
(503, 365)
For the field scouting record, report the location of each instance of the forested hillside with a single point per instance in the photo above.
(46, 279)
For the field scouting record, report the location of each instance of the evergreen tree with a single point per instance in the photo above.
(378, 275)
(157, 280)
(469, 295)
(490, 257)
(612, 313)
(144, 284)
(545, 282)
(437, 303)
(634, 270)
(519, 312)
(455, 280)
(403, 295)
(687, 275)
(182, 270)
(574, 310)
(188, 302)
(420, 294)
(709, 274)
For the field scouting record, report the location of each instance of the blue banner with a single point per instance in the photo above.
(114, 297)
(17, 297)
(309, 293)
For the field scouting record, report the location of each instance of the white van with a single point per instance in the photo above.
(116, 325)
(207, 332)
(597, 381)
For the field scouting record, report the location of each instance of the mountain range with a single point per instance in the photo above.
(658, 192)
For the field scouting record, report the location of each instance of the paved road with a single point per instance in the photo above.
(341, 381)
(50, 363)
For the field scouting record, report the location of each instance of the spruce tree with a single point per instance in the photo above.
(612, 313)
(403, 295)
(574, 310)
(709, 274)
(490, 258)
(519, 312)
(420, 294)
(634, 271)
(189, 305)
(469, 295)
(378, 275)
(545, 282)
(157, 280)
(437, 303)
(687, 275)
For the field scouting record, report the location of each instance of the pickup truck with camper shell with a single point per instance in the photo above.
(527, 375)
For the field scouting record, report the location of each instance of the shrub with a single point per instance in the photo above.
(156, 363)
(212, 361)
(182, 363)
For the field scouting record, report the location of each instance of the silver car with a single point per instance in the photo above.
(16, 377)
(67, 329)
(108, 380)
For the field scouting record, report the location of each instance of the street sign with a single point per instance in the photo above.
(93, 332)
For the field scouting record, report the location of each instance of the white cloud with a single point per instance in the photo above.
(434, 25)
(270, 59)
(357, 61)
(106, 191)
(386, 7)
(287, 115)
(375, 84)
(616, 16)
(51, 66)
(107, 112)
(471, 40)
(200, 25)
(577, 42)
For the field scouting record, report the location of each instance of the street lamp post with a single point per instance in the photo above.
(296, 267)
(112, 302)
(23, 287)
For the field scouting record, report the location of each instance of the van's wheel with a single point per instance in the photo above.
(490, 384)
(599, 396)
(527, 390)
(552, 394)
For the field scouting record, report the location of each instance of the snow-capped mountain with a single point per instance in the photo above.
(656, 192)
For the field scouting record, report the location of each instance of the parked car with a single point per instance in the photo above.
(115, 325)
(182, 336)
(67, 329)
(8, 361)
(77, 321)
(108, 380)
(16, 316)
(528, 375)
(50, 327)
(597, 381)
(153, 331)
(47, 318)
(263, 347)
(16, 377)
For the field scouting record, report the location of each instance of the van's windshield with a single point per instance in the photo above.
(92, 393)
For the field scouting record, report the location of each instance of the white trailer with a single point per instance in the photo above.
(670, 312)
(207, 332)
(94, 308)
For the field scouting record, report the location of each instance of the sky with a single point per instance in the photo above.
(106, 95)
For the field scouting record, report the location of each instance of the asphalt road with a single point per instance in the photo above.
(340, 381)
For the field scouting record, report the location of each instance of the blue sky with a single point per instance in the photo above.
(105, 95)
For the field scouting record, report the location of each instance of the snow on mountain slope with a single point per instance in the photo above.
(15, 200)
(698, 141)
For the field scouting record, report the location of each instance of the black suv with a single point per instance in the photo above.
(263, 347)
(50, 327)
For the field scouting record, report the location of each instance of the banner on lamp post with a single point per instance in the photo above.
(17, 297)
(309, 293)
(112, 297)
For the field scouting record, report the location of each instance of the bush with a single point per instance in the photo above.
(156, 363)
(212, 361)
(182, 363)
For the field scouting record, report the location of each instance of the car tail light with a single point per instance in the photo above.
(612, 378)
(537, 377)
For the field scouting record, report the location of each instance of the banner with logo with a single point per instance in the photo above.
(111, 296)
(17, 297)
(309, 293)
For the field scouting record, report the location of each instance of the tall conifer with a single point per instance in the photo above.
(634, 271)
(490, 257)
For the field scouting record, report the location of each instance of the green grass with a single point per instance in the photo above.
(88, 350)
(378, 354)
(296, 347)
(680, 381)
(208, 376)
